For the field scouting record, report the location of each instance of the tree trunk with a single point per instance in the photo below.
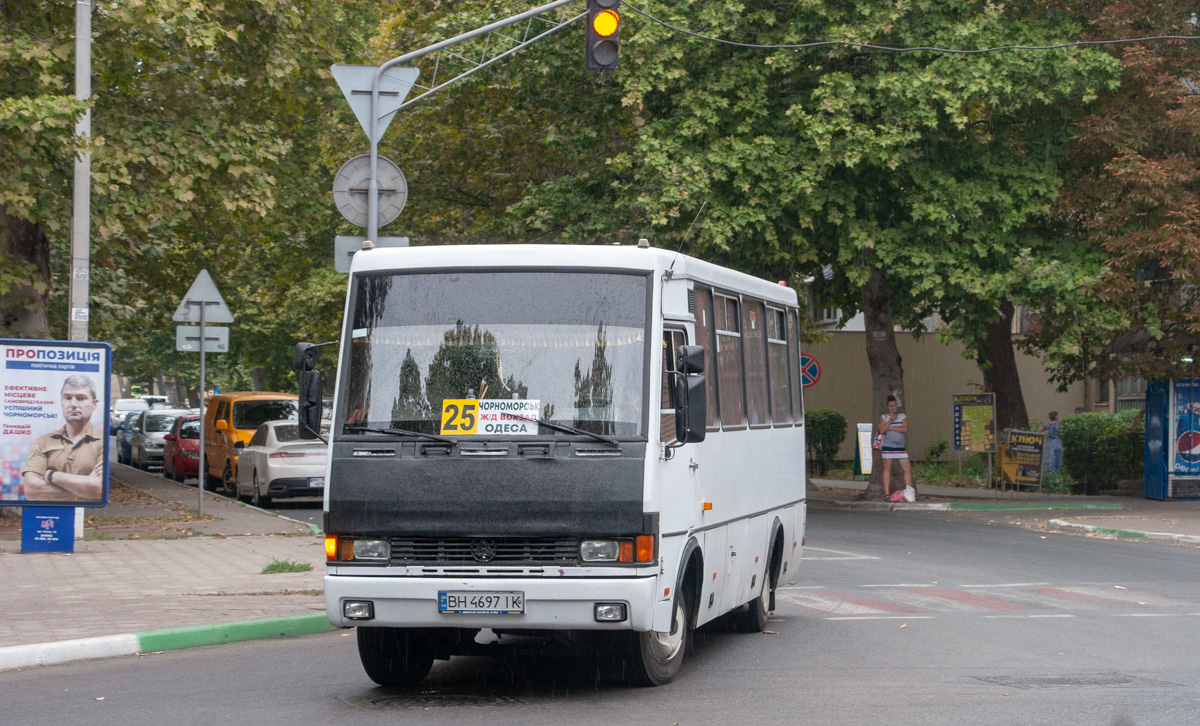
(23, 307)
(259, 376)
(998, 363)
(887, 372)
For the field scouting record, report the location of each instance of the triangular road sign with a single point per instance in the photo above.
(203, 292)
(394, 85)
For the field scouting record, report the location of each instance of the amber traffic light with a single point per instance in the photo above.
(603, 34)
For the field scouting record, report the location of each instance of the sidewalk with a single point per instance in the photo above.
(150, 576)
(1104, 516)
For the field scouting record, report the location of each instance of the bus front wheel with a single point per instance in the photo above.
(394, 656)
(655, 658)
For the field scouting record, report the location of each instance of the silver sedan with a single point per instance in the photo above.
(278, 464)
(149, 436)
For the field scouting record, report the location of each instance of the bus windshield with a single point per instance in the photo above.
(490, 353)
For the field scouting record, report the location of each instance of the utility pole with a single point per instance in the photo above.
(81, 209)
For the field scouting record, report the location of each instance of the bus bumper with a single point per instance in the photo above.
(550, 604)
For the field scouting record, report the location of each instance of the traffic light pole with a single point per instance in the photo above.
(372, 132)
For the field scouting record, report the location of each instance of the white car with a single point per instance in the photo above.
(122, 408)
(278, 464)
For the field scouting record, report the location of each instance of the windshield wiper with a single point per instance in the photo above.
(565, 428)
(403, 432)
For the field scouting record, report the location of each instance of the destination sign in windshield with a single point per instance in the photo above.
(490, 417)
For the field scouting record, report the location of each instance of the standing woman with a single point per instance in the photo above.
(893, 425)
(1054, 447)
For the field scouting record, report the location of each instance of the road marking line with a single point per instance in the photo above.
(887, 607)
(1146, 615)
(882, 617)
(1013, 584)
(1026, 617)
(816, 601)
(846, 555)
(979, 602)
(802, 587)
(899, 585)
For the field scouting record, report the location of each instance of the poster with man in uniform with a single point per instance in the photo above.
(53, 421)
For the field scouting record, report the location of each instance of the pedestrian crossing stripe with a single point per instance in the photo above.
(918, 600)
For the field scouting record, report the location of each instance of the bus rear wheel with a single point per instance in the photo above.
(394, 656)
(655, 658)
(752, 618)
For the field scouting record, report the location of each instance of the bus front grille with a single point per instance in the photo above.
(484, 551)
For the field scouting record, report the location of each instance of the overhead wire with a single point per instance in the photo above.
(891, 49)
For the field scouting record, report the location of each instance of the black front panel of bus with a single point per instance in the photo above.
(560, 493)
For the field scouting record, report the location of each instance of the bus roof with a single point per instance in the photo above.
(624, 257)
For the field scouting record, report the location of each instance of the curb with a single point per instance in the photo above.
(883, 506)
(153, 641)
(956, 506)
(1065, 525)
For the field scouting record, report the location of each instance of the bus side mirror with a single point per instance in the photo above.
(690, 359)
(311, 405)
(691, 404)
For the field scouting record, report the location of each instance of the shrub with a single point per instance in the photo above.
(1100, 449)
(935, 450)
(826, 431)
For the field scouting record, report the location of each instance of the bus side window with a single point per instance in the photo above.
(757, 395)
(705, 337)
(793, 343)
(672, 339)
(777, 367)
(729, 361)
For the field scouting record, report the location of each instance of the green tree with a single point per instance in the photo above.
(208, 126)
(1131, 199)
(918, 177)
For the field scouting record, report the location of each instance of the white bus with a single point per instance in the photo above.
(603, 443)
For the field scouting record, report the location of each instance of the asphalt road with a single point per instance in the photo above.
(920, 618)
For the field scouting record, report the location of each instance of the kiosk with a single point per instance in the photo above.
(1172, 454)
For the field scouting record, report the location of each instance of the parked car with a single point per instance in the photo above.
(122, 408)
(230, 420)
(278, 464)
(149, 436)
(124, 434)
(181, 454)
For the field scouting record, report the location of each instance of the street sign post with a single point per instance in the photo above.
(394, 85)
(203, 303)
(351, 186)
(187, 339)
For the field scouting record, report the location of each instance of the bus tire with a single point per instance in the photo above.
(655, 658)
(753, 618)
(394, 656)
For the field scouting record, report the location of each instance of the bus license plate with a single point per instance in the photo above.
(482, 603)
(316, 481)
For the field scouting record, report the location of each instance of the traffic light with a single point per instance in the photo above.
(603, 34)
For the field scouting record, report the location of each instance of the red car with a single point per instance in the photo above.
(181, 455)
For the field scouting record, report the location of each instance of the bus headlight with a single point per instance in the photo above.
(372, 549)
(599, 550)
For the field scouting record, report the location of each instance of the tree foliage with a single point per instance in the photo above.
(205, 154)
(1133, 199)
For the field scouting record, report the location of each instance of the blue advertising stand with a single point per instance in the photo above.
(47, 529)
(1172, 450)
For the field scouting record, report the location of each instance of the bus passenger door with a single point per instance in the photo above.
(679, 481)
